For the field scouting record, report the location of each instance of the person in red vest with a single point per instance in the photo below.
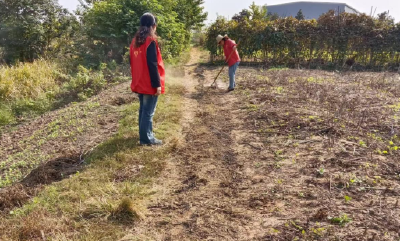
(148, 76)
(231, 58)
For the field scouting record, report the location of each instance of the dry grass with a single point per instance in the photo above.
(109, 195)
(127, 212)
(28, 80)
(31, 89)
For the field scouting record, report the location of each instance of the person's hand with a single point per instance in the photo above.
(158, 91)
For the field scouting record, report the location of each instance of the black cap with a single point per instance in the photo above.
(148, 20)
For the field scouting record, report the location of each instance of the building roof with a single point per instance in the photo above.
(315, 3)
(311, 10)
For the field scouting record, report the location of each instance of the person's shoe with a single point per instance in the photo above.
(231, 89)
(157, 142)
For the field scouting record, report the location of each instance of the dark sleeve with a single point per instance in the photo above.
(153, 65)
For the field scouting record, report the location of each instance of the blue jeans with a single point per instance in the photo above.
(232, 73)
(148, 104)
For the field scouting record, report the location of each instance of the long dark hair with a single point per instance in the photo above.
(142, 34)
(147, 29)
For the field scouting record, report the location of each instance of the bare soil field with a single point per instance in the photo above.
(289, 155)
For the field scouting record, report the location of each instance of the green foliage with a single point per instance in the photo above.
(258, 13)
(321, 171)
(6, 115)
(347, 199)
(112, 24)
(300, 15)
(69, 60)
(30, 28)
(372, 43)
(86, 83)
(29, 80)
(244, 14)
(199, 37)
(191, 13)
(29, 106)
(342, 220)
(28, 89)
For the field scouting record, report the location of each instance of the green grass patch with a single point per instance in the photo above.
(111, 192)
(31, 89)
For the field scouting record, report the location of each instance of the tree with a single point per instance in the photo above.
(273, 16)
(385, 18)
(244, 14)
(111, 24)
(258, 12)
(191, 13)
(300, 15)
(28, 27)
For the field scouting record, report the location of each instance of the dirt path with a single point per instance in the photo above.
(261, 164)
(206, 191)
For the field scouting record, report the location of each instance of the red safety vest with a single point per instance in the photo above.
(140, 72)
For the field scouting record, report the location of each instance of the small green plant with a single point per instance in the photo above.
(279, 90)
(278, 153)
(252, 107)
(318, 231)
(362, 144)
(321, 171)
(347, 199)
(342, 220)
(274, 231)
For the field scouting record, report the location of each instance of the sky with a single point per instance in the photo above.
(228, 8)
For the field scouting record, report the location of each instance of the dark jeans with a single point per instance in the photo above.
(147, 109)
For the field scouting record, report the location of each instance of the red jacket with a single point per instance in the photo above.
(228, 48)
(141, 82)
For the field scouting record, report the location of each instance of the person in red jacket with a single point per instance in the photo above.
(231, 58)
(148, 75)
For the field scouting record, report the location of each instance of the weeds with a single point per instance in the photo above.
(127, 212)
(28, 80)
(321, 171)
(342, 220)
(347, 199)
(31, 89)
